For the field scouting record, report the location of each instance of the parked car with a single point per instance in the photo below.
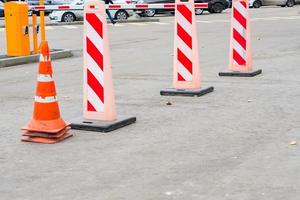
(60, 2)
(77, 15)
(259, 3)
(214, 6)
(1, 9)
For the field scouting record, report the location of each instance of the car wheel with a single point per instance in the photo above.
(217, 8)
(149, 13)
(121, 15)
(290, 3)
(68, 17)
(199, 11)
(256, 4)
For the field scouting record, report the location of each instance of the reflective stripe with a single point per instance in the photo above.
(239, 49)
(184, 72)
(44, 58)
(94, 99)
(94, 36)
(95, 69)
(184, 23)
(50, 99)
(188, 52)
(242, 10)
(44, 78)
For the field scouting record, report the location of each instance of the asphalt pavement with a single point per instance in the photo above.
(232, 144)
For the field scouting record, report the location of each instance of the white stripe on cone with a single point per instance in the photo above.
(44, 58)
(50, 99)
(44, 78)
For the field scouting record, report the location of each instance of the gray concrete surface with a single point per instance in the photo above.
(232, 144)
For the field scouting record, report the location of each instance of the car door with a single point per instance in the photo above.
(79, 13)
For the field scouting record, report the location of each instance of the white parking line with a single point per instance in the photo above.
(117, 25)
(252, 19)
(159, 23)
(70, 27)
(274, 18)
(138, 24)
(206, 22)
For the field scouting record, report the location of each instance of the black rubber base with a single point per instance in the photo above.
(241, 74)
(101, 126)
(186, 92)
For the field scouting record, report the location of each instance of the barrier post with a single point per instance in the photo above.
(99, 112)
(35, 29)
(186, 73)
(42, 22)
(240, 56)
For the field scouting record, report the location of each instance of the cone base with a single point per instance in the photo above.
(45, 140)
(186, 92)
(241, 74)
(46, 126)
(46, 135)
(101, 126)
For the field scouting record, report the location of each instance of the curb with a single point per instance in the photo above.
(55, 54)
(81, 22)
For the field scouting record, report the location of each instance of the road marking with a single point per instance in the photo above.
(48, 28)
(117, 25)
(1, 29)
(158, 23)
(206, 22)
(70, 27)
(138, 24)
(252, 19)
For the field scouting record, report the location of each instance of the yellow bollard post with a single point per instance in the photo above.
(35, 30)
(17, 28)
(42, 22)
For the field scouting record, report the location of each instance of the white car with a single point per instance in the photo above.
(283, 3)
(59, 2)
(77, 15)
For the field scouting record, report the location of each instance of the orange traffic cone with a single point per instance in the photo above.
(46, 125)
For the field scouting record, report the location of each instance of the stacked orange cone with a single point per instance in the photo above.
(46, 125)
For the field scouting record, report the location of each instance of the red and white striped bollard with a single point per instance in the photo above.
(186, 75)
(240, 58)
(99, 112)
